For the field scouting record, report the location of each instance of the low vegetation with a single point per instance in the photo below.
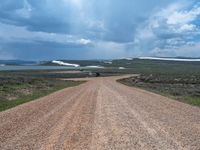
(18, 90)
(179, 80)
(184, 88)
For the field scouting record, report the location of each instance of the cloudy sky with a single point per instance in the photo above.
(98, 29)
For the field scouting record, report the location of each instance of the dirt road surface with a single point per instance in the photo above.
(101, 115)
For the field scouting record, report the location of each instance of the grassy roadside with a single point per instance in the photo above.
(182, 88)
(16, 91)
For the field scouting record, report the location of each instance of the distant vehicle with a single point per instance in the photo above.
(97, 74)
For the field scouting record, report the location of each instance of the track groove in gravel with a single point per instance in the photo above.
(99, 115)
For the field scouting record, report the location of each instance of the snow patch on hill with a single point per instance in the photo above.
(170, 59)
(64, 63)
(95, 66)
(128, 58)
(121, 68)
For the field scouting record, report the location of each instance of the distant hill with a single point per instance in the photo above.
(180, 57)
(17, 62)
(172, 58)
(81, 63)
(125, 62)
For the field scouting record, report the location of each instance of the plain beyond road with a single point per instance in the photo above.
(35, 67)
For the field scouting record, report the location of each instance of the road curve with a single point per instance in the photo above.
(100, 115)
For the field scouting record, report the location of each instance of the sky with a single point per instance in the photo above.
(98, 29)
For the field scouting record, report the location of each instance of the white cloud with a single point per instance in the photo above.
(187, 27)
(25, 12)
(105, 49)
(189, 50)
(75, 3)
(11, 33)
(84, 41)
(179, 18)
(168, 30)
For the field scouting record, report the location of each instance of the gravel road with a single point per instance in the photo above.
(101, 115)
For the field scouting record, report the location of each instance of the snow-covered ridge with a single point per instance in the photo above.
(95, 66)
(108, 62)
(121, 68)
(64, 64)
(170, 59)
(128, 58)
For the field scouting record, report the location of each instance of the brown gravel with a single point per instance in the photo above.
(101, 114)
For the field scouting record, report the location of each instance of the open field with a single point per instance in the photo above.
(18, 90)
(60, 73)
(178, 80)
(18, 87)
(180, 87)
(101, 114)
